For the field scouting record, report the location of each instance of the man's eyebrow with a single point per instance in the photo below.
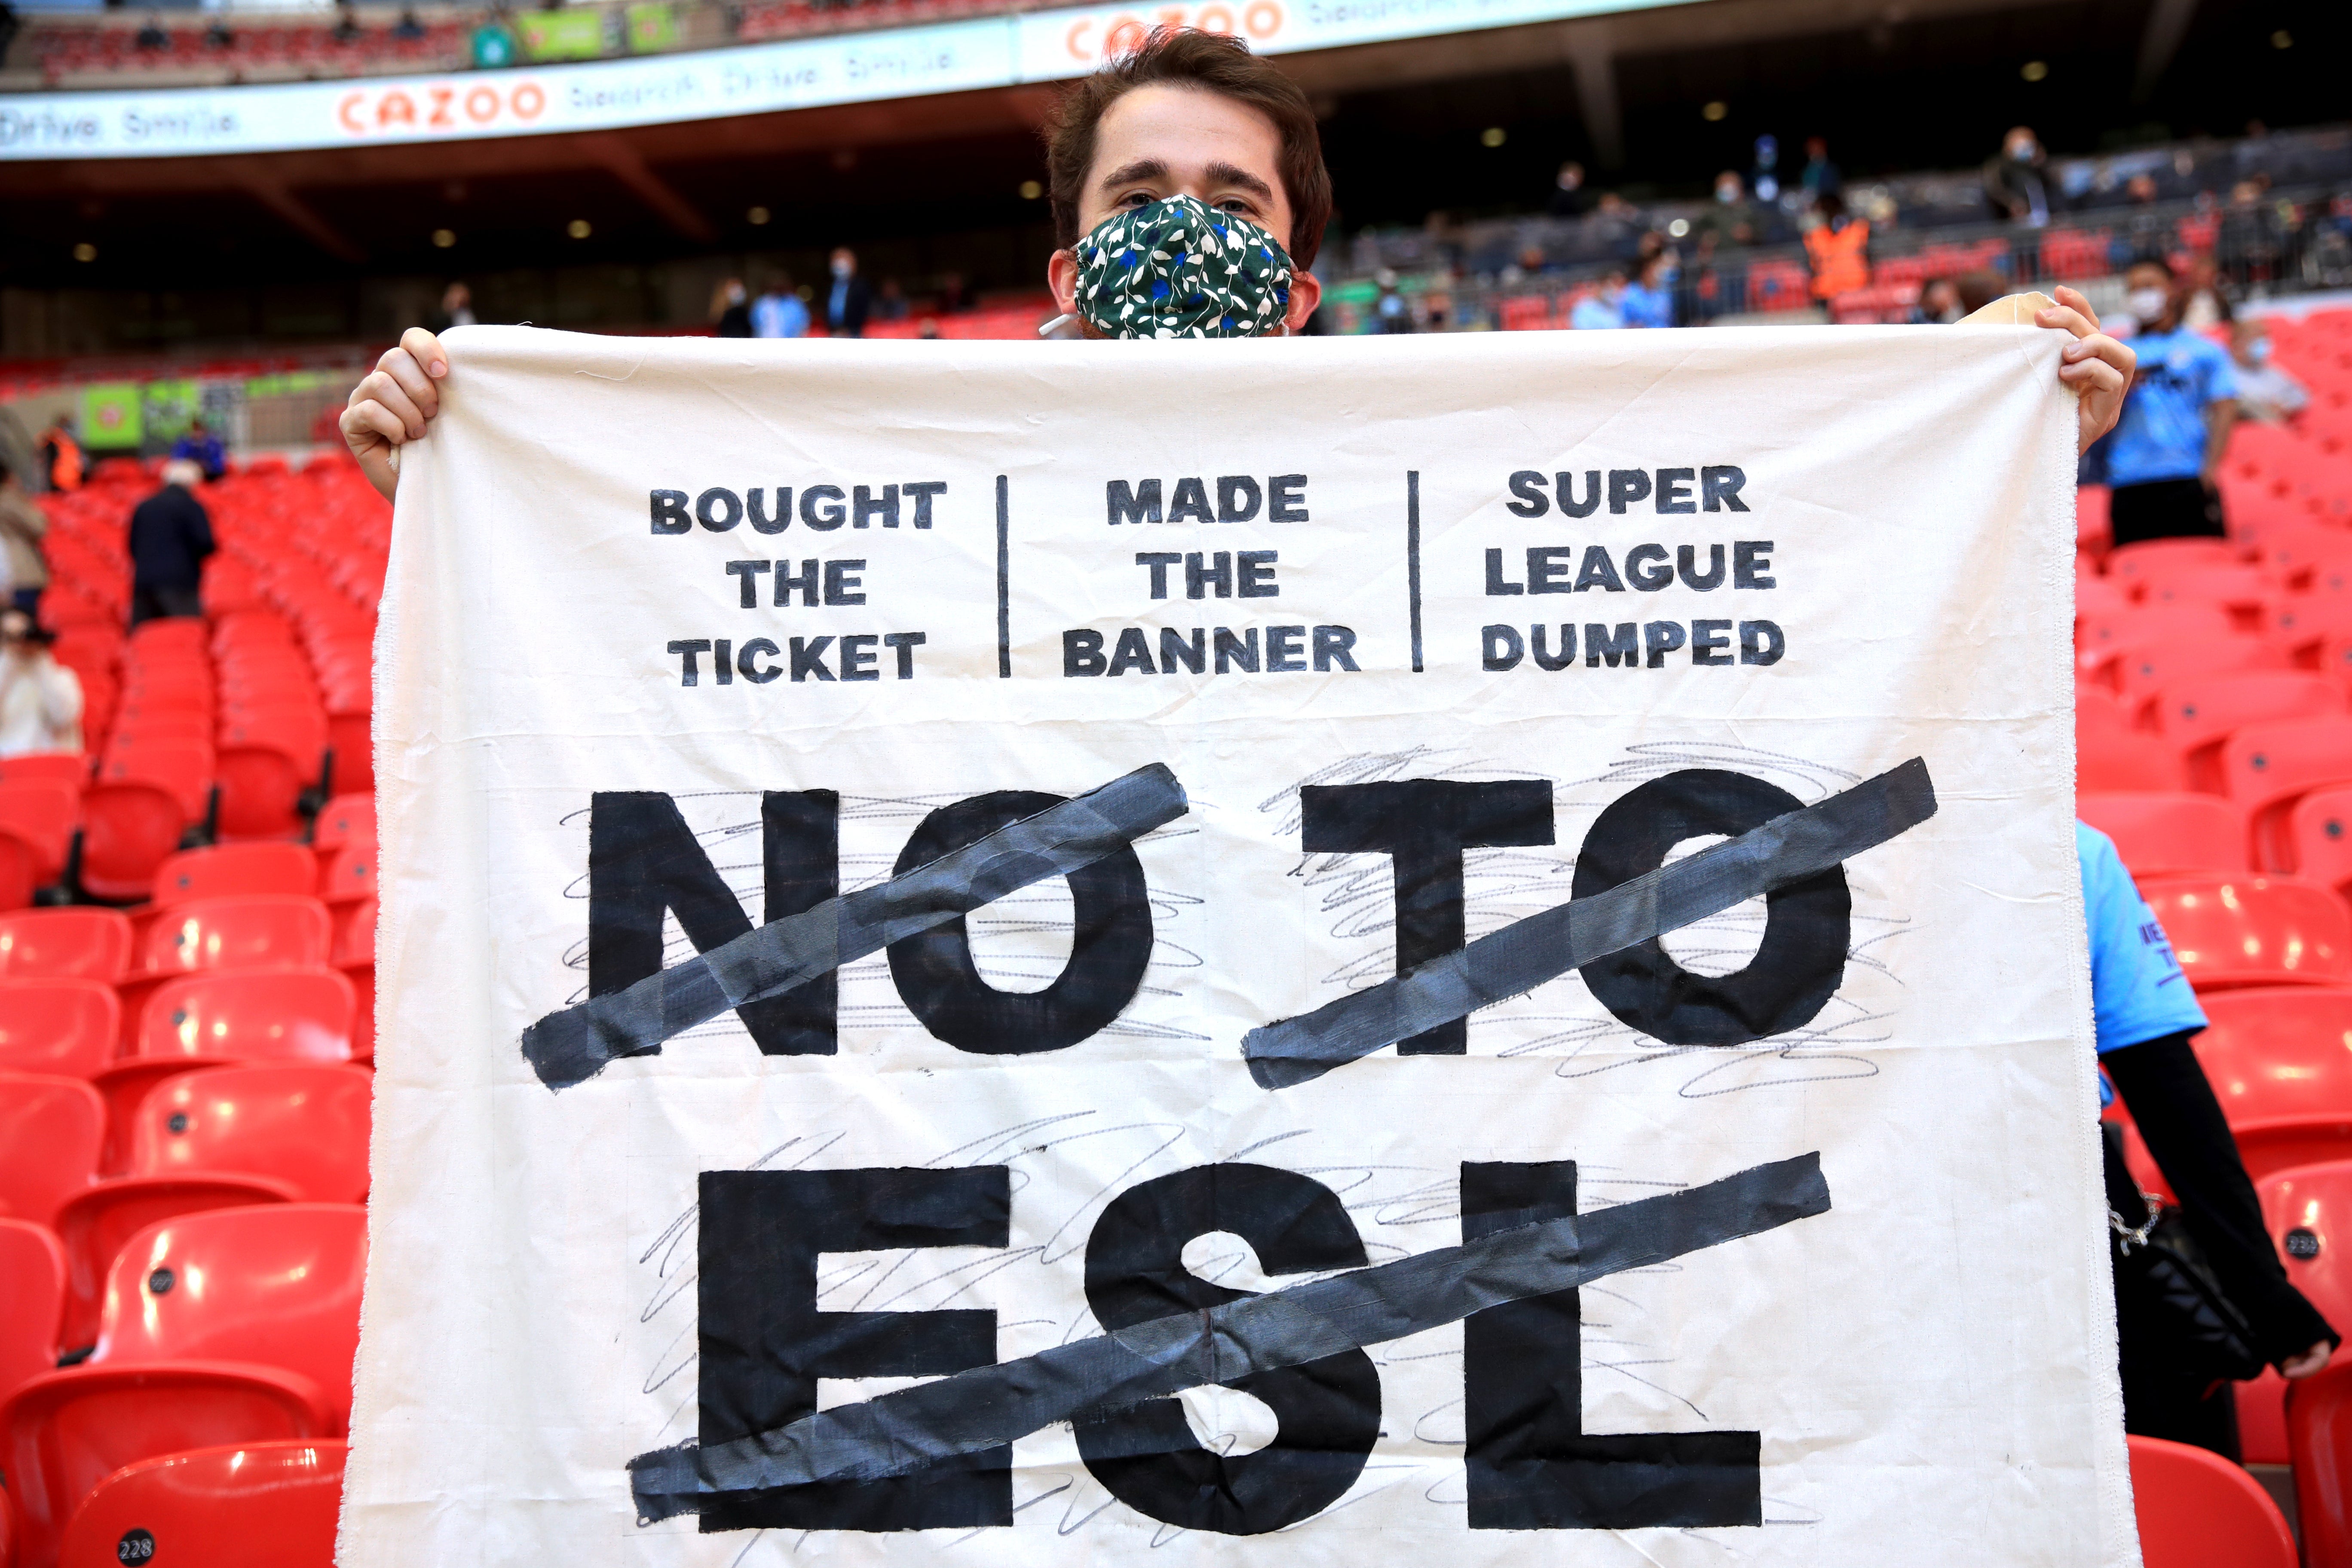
(1230, 174)
(1141, 170)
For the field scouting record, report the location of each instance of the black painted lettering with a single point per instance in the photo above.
(1110, 946)
(1547, 567)
(722, 661)
(1136, 503)
(1254, 575)
(866, 506)
(756, 506)
(1082, 652)
(1423, 826)
(1497, 585)
(842, 581)
(1598, 571)
(1159, 560)
(1600, 643)
(1236, 650)
(1285, 648)
(1646, 568)
(821, 507)
(1286, 498)
(1190, 504)
(1565, 485)
(808, 658)
(1761, 643)
(1627, 485)
(1238, 499)
(921, 494)
(1710, 642)
(763, 1344)
(744, 573)
(1720, 487)
(687, 675)
(1547, 661)
(808, 581)
(1751, 558)
(1686, 563)
(1675, 491)
(1528, 485)
(904, 645)
(1661, 638)
(1798, 966)
(717, 510)
(1218, 573)
(1335, 645)
(670, 512)
(857, 658)
(1176, 648)
(1132, 653)
(1501, 647)
(747, 662)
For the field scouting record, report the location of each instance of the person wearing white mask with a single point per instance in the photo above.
(2165, 456)
(40, 699)
(847, 301)
(2266, 392)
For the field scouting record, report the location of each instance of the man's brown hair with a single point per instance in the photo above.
(1211, 62)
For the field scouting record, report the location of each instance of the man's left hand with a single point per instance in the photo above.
(2097, 366)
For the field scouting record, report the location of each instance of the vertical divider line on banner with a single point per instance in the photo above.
(1412, 557)
(1004, 581)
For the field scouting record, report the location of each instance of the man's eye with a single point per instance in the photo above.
(1136, 199)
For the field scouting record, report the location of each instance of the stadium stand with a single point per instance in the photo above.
(2197, 1509)
(278, 1501)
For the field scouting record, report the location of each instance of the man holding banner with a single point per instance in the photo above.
(1244, 1020)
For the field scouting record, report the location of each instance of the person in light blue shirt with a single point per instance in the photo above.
(2143, 1011)
(778, 312)
(1601, 311)
(1649, 300)
(2166, 451)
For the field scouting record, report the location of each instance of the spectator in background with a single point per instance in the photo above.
(1822, 178)
(1649, 299)
(1939, 304)
(62, 458)
(202, 447)
(1602, 309)
(1731, 220)
(22, 527)
(890, 301)
(2013, 178)
(848, 301)
(2266, 392)
(779, 312)
(2166, 449)
(171, 534)
(1569, 197)
(151, 35)
(1390, 311)
(952, 294)
(2204, 304)
(40, 699)
(408, 30)
(457, 309)
(1977, 289)
(731, 310)
(1839, 248)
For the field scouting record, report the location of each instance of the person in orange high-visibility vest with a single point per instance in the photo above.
(61, 459)
(1838, 250)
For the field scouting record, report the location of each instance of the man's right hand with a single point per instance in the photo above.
(394, 404)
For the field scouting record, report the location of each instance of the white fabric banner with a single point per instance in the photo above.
(926, 1013)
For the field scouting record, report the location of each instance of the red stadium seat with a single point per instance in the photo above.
(64, 1026)
(2103, 636)
(345, 819)
(2127, 761)
(258, 1505)
(64, 945)
(2159, 833)
(302, 1123)
(50, 1130)
(234, 869)
(2265, 766)
(20, 870)
(245, 931)
(2138, 566)
(2098, 712)
(250, 1015)
(355, 956)
(262, 1350)
(2319, 1434)
(128, 829)
(2252, 930)
(2197, 1509)
(42, 812)
(69, 768)
(2140, 672)
(2319, 830)
(351, 875)
(2197, 716)
(32, 1283)
(2279, 1060)
(96, 1224)
(2302, 1207)
(352, 736)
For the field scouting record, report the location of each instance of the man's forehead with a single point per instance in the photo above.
(1187, 132)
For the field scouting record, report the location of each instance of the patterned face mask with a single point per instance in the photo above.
(1180, 268)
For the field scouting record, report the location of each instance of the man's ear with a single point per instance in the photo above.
(1062, 278)
(1306, 293)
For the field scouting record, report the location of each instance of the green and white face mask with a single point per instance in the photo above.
(1180, 269)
